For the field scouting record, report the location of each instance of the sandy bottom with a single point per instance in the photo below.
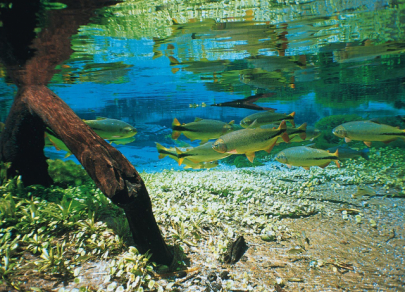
(319, 237)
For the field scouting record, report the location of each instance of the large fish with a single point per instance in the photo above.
(249, 141)
(202, 129)
(202, 153)
(345, 152)
(111, 129)
(306, 157)
(368, 131)
(264, 118)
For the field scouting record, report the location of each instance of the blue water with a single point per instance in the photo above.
(148, 91)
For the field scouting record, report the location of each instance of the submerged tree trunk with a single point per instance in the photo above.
(36, 107)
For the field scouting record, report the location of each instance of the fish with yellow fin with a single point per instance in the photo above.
(264, 118)
(202, 153)
(171, 152)
(306, 157)
(249, 141)
(201, 129)
(368, 131)
(301, 131)
(111, 129)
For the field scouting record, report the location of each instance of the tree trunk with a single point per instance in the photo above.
(36, 107)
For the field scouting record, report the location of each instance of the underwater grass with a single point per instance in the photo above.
(53, 235)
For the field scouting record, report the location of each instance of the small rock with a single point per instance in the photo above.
(224, 275)
(212, 277)
(181, 274)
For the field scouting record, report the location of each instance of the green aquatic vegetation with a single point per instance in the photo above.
(67, 173)
(133, 269)
(53, 261)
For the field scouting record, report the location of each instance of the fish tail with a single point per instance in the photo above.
(175, 123)
(303, 127)
(180, 159)
(283, 125)
(160, 149)
(364, 153)
(336, 153)
(292, 119)
(285, 137)
(175, 134)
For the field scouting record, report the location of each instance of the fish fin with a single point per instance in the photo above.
(364, 153)
(100, 118)
(175, 122)
(198, 119)
(54, 144)
(175, 135)
(337, 163)
(336, 153)
(173, 60)
(324, 165)
(285, 137)
(68, 154)
(312, 145)
(161, 156)
(283, 125)
(203, 141)
(253, 125)
(268, 150)
(368, 143)
(303, 127)
(178, 151)
(250, 156)
(306, 167)
(292, 114)
(233, 151)
(231, 122)
(289, 165)
(347, 140)
(175, 70)
(180, 161)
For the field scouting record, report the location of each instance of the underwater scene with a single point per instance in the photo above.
(209, 145)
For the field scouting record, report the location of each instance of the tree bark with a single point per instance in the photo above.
(36, 107)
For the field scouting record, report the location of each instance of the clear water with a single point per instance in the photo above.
(149, 62)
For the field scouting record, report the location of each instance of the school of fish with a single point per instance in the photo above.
(256, 132)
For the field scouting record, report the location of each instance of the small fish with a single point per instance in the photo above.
(202, 153)
(201, 165)
(368, 131)
(345, 152)
(291, 132)
(311, 134)
(111, 129)
(122, 141)
(52, 140)
(201, 129)
(306, 157)
(249, 141)
(264, 118)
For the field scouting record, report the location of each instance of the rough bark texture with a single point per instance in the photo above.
(30, 64)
